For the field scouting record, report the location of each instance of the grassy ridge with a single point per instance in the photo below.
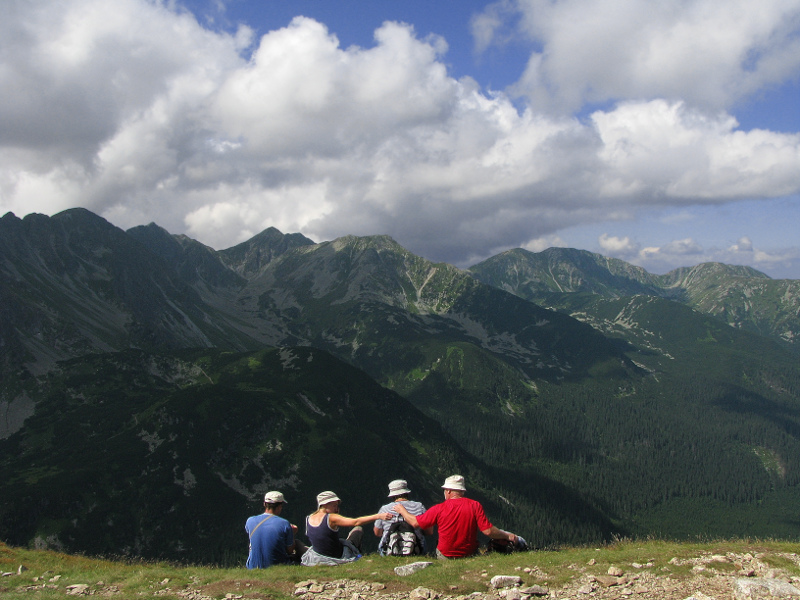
(48, 574)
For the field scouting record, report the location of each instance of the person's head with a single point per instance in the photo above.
(274, 501)
(399, 489)
(328, 501)
(454, 487)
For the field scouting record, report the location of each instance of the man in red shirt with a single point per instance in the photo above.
(458, 519)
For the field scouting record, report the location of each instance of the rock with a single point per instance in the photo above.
(610, 580)
(21, 569)
(615, 572)
(421, 593)
(699, 596)
(586, 589)
(410, 568)
(511, 594)
(77, 589)
(501, 581)
(535, 590)
(747, 573)
(306, 583)
(757, 588)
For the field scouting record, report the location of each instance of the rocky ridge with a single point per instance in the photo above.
(741, 576)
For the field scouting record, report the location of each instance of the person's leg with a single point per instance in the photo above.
(355, 535)
(299, 549)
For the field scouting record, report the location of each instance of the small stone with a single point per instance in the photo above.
(421, 593)
(501, 581)
(411, 568)
(21, 569)
(306, 583)
(511, 594)
(592, 562)
(535, 590)
(615, 572)
(377, 586)
(586, 589)
(77, 589)
(300, 591)
(610, 580)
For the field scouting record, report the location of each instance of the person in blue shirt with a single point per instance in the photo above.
(271, 536)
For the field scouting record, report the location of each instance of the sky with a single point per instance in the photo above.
(666, 133)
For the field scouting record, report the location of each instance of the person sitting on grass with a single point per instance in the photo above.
(272, 538)
(322, 529)
(459, 519)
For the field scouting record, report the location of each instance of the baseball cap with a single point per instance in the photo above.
(274, 498)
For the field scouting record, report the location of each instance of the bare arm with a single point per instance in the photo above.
(498, 534)
(340, 521)
(409, 518)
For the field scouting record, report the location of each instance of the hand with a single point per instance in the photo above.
(294, 528)
(512, 537)
(387, 516)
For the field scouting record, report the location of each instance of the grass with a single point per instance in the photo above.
(48, 573)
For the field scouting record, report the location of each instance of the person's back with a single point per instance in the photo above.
(269, 537)
(398, 494)
(459, 519)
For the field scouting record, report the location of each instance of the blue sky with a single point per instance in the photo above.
(664, 134)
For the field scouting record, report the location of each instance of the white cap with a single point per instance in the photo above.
(454, 482)
(274, 498)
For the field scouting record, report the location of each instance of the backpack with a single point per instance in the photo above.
(506, 547)
(401, 540)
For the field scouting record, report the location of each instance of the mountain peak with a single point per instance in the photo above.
(249, 258)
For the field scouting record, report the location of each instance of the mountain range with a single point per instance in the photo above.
(153, 388)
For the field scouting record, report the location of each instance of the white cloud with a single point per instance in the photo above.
(617, 246)
(140, 114)
(743, 245)
(706, 52)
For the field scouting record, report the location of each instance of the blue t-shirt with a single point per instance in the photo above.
(268, 541)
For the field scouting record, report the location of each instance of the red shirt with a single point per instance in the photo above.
(458, 520)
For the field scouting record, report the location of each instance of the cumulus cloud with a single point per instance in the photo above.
(706, 52)
(688, 252)
(618, 246)
(136, 111)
